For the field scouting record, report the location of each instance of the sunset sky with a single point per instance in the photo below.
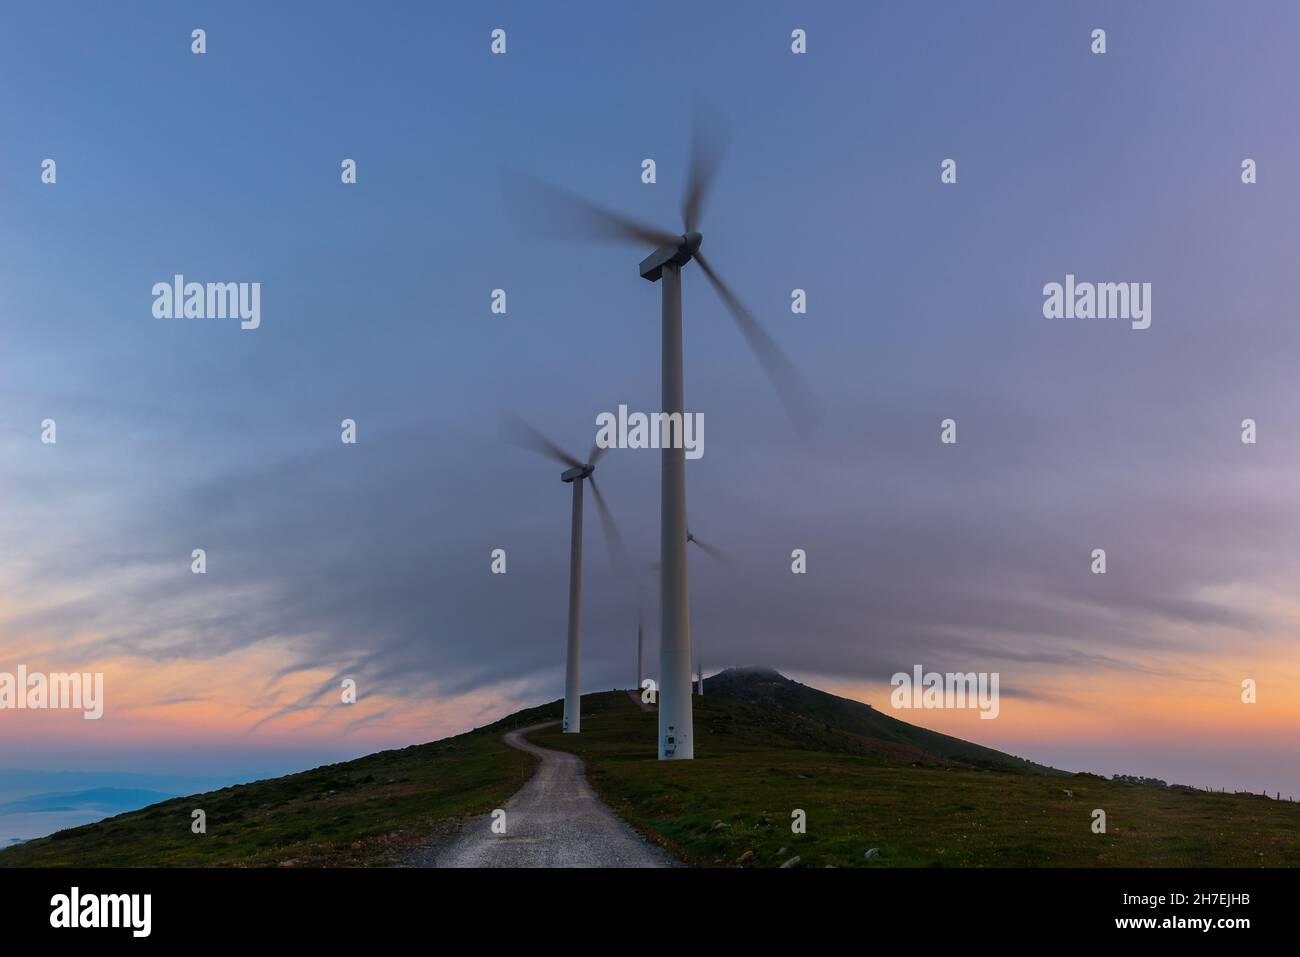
(371, 561)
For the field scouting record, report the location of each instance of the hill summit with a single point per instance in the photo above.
(765, 686)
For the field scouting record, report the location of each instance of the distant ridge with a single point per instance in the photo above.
(109, 800)
(765, 686)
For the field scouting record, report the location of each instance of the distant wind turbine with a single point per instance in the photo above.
(718, 555)
(520, 433)
(568, 214)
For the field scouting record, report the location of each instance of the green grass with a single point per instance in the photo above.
(373, 811)
(755, 763)
(752, 770)
(777, 694)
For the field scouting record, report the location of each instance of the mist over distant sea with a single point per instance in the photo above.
(37, 803)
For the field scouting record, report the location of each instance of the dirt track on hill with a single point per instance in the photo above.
(555, 820)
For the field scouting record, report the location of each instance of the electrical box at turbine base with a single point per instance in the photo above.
(670, 742)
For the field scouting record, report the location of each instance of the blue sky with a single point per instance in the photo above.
(924, 303)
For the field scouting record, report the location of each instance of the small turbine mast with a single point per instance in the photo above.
(520, 433)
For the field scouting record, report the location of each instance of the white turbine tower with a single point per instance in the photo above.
(567, 214)
(524, 435)
(640, 655)
(718, 556)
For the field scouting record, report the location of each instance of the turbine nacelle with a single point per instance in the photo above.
(652, 267)
(577, 472)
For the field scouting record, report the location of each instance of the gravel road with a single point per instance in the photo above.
(555, 820)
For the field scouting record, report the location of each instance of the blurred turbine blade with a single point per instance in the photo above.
(518, 432)
(548, 212)
(795, 394)
(613, 540)
(596, 453)
(717, 554)
(708, 143)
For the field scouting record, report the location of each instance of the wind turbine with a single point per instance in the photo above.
(640, 654)
(673, 252)
(524, 435)
(718, 555)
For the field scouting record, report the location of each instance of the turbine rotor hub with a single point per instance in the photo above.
(678, 254)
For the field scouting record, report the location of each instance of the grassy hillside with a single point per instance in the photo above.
(373, 811)
(770, 689)
(755, 764)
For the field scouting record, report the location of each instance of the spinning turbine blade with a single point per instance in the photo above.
(553, 212)
(717, 554)
(518, 432)
(708, 143)
(795, 394)
(613, 540)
